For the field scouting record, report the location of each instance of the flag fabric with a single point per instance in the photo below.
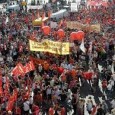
(10, 105)
(82, 47)
(18, 70)
(26, 68)
(22, 70)
(15, 71)
(29, 67)
(12, 100)
(88, 75)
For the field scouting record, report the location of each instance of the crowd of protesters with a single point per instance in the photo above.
(54, 87)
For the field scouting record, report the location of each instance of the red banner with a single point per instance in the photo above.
(29, 67)
(22, 70)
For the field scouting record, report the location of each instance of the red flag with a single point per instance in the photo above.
(11, 100)
(10, 105)
(20, 67)
(88, 75)
(15, 71)
(31, 64)
(26, 68)
(18, 70)
(60, 70)
(29, 67)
